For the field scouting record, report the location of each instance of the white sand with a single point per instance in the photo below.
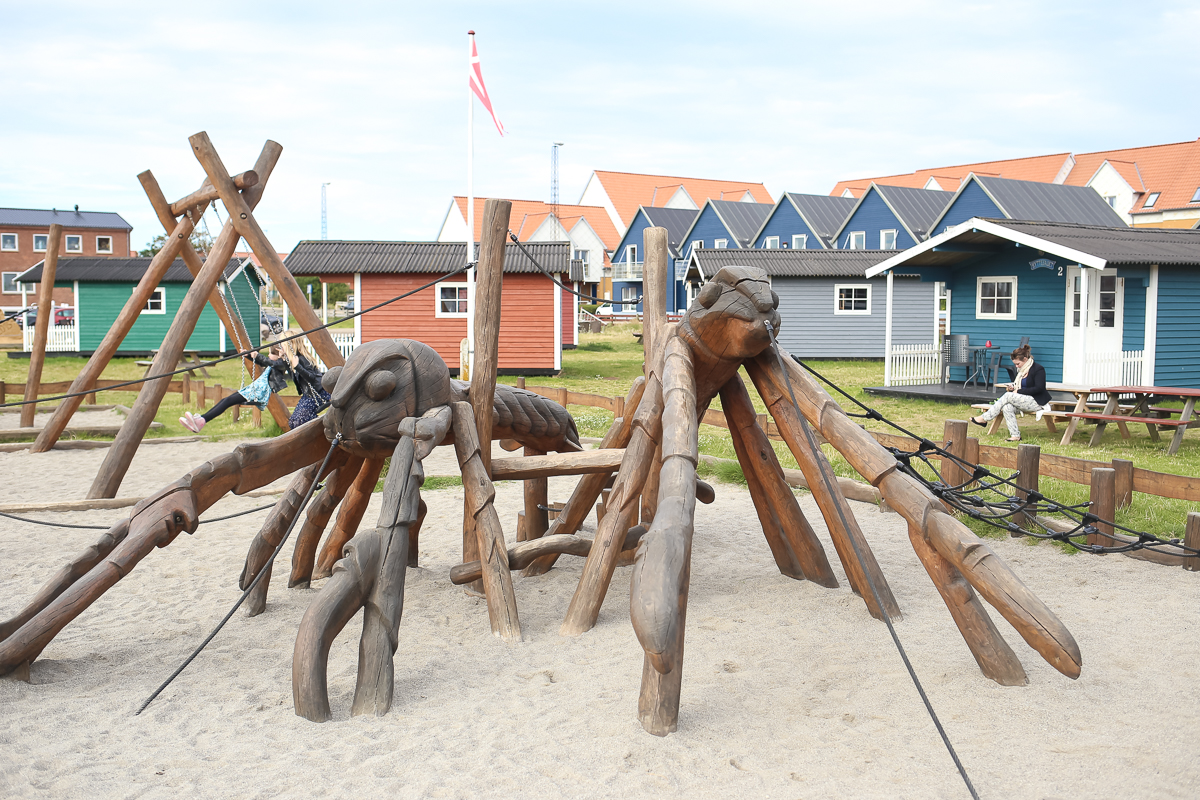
(790, 690)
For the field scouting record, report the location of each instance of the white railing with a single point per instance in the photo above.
(345, 342)
(60, 339)
(1114, 368)
(914, 364)
(626, 271)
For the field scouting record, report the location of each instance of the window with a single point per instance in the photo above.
(996, 297)
(156, 303)
(631, 254)
(1075, 306)
(74, 244)
(103, 244)
(451, 300)
(1151, 200)
(629, 299)
(852, 299)
(1112, 201)
(39, 242)
(858, 240)
(771, 243)
(887, 240)
(696, 245)
(1108, 301)
(582, 255)
(8, 241)
(1196, 196)
(800, 241)
(10, 282)
(721, 244)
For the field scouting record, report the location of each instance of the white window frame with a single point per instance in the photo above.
(110, 245)
(697, 244)
(799, 241)
(16, 240)
(883, 233)
(629, 293)
(45, 237)
(720, 244)
(631, 251)
(67, 243)
(1152, 200)
(16, 284)
(771, 243)
(982, 279)
(161, 294)
(857, 236)
(437, 300)
(837, 304)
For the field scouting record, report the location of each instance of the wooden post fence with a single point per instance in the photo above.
(41, 330)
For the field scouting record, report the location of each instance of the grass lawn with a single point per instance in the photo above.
(607, 364)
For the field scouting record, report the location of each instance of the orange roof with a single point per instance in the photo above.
(243, 254)
(1041, 169)
(1172, 170)
(628, 190)
(527, 215)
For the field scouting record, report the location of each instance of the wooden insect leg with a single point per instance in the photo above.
(580, 504)
(662, 569)
(414, 534)
(350, 515)
(797, 550)
(839, 518)
(304, 555)
(621, 512)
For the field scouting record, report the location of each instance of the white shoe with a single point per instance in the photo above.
(1041, 411)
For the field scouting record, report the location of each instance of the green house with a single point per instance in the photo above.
(102, 286)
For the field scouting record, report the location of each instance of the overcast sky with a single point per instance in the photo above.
(372, 96)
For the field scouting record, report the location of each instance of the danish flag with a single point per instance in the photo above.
(476, 81)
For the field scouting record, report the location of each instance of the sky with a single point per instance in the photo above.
(372, 97)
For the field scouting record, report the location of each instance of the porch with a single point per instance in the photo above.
(920, 365)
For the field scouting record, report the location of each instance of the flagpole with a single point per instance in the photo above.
(470, 212)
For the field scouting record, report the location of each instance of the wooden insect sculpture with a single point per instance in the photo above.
(731, 325)
(392, 398)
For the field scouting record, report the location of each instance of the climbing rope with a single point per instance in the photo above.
(107, 527)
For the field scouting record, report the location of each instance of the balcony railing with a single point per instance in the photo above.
(627, 271)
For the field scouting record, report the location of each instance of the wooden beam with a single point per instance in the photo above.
(206, 193)
(584, 462)
(41, 328)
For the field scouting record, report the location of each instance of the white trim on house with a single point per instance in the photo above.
(857, 240)
(67, 243)
(799, 241)
(45, 237)
(159, 294)
(854, 299)
(461, 302)
(771, 243)
(78, 326)
(358, 304)
(556, 293)
(110, 245)
(16, 242)
(4, 278)
(883, 239)
(997, 279)
(720, 244)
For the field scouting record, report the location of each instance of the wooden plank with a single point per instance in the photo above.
(550, 464)
(1028, 478)
(206, 193)
(1104, 503)
(41, 327)
(1191, 538)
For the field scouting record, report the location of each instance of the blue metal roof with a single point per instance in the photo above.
(1051, 202)
(823, 213)
(742, 219)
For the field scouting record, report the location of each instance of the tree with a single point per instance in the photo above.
(201, 242)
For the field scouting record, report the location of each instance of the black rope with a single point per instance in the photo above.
(108, 527)
(15, 314)
(829, 480)
(244, 353)
(262, 572)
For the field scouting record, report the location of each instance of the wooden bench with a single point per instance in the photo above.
(189, 359)
(1152, 424)
(1048, 417)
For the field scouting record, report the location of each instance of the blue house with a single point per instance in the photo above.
(803, 222)
(1101, 305)
(891, 218)
(996, 198)
(628, 258)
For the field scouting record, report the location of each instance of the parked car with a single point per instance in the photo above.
(605, 310)
(62, 316)
(270, 323)
(347, 306)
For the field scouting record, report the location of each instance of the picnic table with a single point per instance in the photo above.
(1139, 408)
(188, 358)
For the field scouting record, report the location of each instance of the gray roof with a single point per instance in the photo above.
(1051, 202)
(115, 270)
(792, 263)
(917, 208)
(342, 258)
(675, 220)
(823, 213)
(742, 219)
(1091, 245)
(42, 218)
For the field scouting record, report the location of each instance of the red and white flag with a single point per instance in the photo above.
(476, 81)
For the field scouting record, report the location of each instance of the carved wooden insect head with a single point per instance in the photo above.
(729, 315)
(382, 383)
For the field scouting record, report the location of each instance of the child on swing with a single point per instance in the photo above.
(283, 361)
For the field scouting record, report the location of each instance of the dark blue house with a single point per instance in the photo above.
(996, 198)
(891, 218)
(628, 258)
(803, 222)
(1101, 305)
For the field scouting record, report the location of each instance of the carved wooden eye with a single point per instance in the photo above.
(381, 384)
(709, 294)
(330, 378)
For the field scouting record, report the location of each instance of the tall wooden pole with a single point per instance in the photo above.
(37, 357)
(116, 461)
(654, 320)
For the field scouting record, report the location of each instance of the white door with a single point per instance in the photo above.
(1105, 311)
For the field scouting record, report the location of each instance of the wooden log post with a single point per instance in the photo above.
(187, 388)
(218, 392)
(1104, 504)
(521, 382)
(120, 454)
(201, 395)
(971, 451)
(537, 498)
(1191, 538)
(3, 392)
(255, 417)
(955, 437)
(41, 328)
(1028, 468)
(236, 411)
(654, 320)
(1124, 481)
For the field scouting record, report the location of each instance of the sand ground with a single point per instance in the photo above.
(790, 690)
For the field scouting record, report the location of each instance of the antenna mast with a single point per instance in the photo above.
(554, 181)
(324, 219)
